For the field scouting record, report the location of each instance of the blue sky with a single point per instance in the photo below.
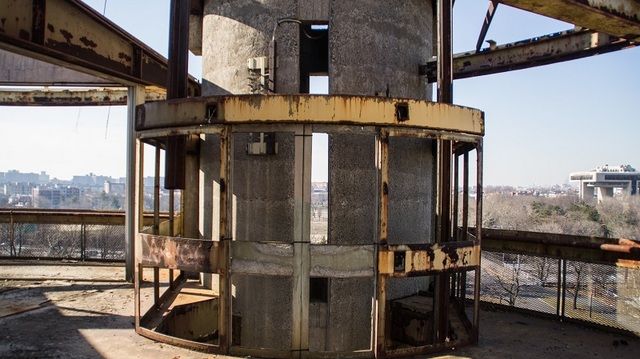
(541, 123)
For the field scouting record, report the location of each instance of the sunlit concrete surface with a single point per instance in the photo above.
(89, 314)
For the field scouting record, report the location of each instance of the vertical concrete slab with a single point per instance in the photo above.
(209, 198)
(263, 188)
(352, 220)
(412, 190)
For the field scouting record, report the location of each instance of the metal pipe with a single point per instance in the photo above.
(558, 288)
(476, 289)
(156, 223)
(564, 287)
(445, 95)
(171, 230)
(177, 80)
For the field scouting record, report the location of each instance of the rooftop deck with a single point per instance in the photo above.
(56, 310)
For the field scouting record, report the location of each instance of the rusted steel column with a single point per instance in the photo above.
(478, 273)
(382, 328)
(156, 223)
(226, 231)
(177, 80)
(445, 95)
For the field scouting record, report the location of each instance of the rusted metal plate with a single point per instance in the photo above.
(335, 261)
(537, 51)
(71, 97)
(418, 260)
(192, 255)
(69, 33)
(616, 17)
(615, 251)
(256, 258)
(339, 110)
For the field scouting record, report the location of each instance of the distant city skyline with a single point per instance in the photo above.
(541, 123)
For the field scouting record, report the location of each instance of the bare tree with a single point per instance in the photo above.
(578, 269)
(510, 282)
(542, 267)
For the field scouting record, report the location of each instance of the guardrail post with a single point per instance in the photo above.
(564, 287)
(558, 289)
(83, 241)
(12, 243)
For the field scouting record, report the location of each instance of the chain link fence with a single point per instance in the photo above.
(605, 295)
(62, 241)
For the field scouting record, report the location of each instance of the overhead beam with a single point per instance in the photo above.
(619, 252)
(537, 51)
(19, 70)
(71, 34)
(73, 97)
(619, 18)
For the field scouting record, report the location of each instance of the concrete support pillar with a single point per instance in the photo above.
(136, 96)
(209, 203)
(604, 192)
(586, 192)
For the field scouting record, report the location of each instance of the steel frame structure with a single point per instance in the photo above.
(303, 114)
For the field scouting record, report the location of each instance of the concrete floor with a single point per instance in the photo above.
(89, 315)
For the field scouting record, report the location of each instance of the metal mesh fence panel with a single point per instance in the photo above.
(603, 294)
(105, 242)
(68, 241)
(47, 240)
(5, 240)
(520, 280)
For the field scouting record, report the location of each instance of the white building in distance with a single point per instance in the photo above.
(602, 180)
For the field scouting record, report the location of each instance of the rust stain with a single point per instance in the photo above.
(66, 34)
(87, 42)
(124, 56)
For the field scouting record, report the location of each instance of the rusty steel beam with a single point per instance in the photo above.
(89, 43)
(309, 109)
(614, 251)
(620, 18)
(19, 70)
(537, 51)
(73, 97)
(52, 216)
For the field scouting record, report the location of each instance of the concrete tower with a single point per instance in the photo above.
(365, 47)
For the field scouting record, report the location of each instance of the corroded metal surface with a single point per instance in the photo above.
(72, 97)
(179, 253)
(52, 216)
(302, 109)
(70, 33)
(413, 260)
(616, 17)
(537, 51)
